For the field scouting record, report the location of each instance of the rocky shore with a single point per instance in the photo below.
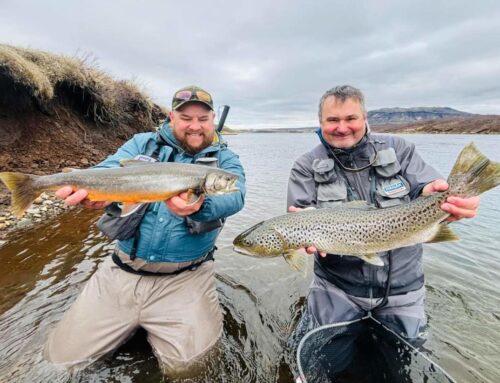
(47, 205)
(56, 112)
(43, 208)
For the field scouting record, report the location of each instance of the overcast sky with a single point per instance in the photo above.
(271, 60)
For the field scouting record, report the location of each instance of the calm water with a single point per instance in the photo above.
(43, 270)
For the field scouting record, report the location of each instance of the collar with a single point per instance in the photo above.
(360, 146)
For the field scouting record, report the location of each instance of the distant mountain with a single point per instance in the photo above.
(408, 115)
(471, 124)
(415, 120)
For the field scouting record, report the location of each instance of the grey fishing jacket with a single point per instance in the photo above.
(397, 176)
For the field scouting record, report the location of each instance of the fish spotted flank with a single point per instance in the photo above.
(357, 229)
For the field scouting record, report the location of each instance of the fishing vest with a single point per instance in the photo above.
(387, 186)
(382, 184)
(114, 226)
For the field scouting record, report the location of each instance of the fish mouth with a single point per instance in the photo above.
(229, 190)
(243, 251)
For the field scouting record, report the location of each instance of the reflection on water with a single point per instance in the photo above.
(43, 270)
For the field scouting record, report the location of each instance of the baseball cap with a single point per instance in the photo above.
(191, 93)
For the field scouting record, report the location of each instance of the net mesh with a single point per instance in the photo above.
(362, 351)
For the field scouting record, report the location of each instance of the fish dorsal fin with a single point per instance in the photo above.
(297, 259)
(358, 204)
(131, 162)
(444, 234)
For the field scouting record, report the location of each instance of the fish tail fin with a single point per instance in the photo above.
(23, 190)
(481, 174)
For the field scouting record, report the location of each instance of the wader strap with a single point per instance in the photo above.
(373, 187)
(388, 287)
(194, 266)
(133, 252)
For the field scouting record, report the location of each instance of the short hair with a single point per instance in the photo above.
(342, 93)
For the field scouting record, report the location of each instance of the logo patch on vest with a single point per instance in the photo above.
(394, 188)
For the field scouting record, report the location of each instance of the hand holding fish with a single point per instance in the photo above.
(181, 206)
(310, 249)
(74, 197)
(134, 182)
(358, 229)
(457, 207)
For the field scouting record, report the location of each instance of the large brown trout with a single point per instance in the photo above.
(357, 229)
(134, 182)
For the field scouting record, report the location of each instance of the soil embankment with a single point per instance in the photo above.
(57, 112)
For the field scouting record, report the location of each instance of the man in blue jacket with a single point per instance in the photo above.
(167, 286)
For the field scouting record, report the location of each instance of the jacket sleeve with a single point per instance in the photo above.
(301, 184)
(222, 206)
(414, 168)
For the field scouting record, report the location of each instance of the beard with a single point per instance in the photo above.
(183, 139)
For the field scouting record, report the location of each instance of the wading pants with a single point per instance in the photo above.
(327, 304)
(181, 314)
(404, 314)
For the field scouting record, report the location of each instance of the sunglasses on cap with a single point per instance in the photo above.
(185, 95)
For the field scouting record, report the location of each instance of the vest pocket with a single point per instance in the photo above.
(331, 190)
(387, 164)
(392, 191)
(324, 170)
(331, 194)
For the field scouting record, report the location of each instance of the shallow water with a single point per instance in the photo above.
(44, 268)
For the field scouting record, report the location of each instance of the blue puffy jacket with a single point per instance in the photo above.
(164, 235)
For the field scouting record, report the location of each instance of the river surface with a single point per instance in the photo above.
(44, 268)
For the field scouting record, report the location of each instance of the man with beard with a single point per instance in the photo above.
(161, 279)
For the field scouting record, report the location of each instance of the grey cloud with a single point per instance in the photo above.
(271, 61)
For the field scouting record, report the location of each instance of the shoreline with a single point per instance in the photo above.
(43, 208)
(373, 130)
(48, 206)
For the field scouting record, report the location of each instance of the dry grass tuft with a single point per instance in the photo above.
(37, 79)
